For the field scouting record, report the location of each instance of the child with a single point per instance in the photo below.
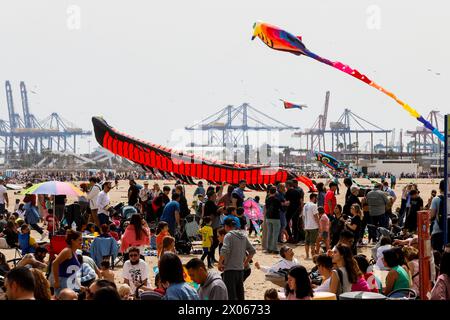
(116, 219)
(324, 230)
(113, 232)
(105, 271)
(90, 229)
(153, 239)
(207, 238)
(17, 205)
(168, 245)
(20, 211)
(241, 217)
(162, 230)
(159, 287)
(271, 294)
(52, 223)
(124, 291)
(232, 214)
(31, 244)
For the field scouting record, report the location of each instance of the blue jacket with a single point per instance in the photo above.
(181, 291)
(102, 247)
(31, 214)
(24, 243)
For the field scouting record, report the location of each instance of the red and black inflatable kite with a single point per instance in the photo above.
(186, 167)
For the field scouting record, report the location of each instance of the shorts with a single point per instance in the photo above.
(324, 235)
(311, 236)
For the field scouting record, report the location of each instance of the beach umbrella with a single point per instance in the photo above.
(252, 210)
(54, 188)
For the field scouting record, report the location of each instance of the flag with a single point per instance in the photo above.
(289, 105)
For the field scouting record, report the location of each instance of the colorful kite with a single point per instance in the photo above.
(186, 167)
(329, 161)
(289, 105)
(281, 40)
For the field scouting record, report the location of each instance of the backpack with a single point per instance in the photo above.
(341, 283)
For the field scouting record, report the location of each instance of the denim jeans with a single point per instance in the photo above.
(273, 230)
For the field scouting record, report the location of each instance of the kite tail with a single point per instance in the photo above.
(356, 74)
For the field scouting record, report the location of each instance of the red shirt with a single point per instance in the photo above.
(329, 196)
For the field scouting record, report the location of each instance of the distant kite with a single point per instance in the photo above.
(289, 105)
(282, 40)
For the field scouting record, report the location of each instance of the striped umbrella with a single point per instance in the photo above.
(54, 188)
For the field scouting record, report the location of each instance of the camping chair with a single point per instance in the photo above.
(104, 248)
(17, 256)
(57, 244)
(73, 214)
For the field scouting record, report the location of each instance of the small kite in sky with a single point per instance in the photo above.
(289, 105)
(282, 40)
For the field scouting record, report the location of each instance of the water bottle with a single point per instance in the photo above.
(366, 237)
(74, 226)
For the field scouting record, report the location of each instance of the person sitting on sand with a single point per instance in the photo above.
(105, 271)
(287, 261)
(271, 294)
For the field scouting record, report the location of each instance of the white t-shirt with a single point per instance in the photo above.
(102, 201)
(2, 192)
(324, 287)
(93, 195)
(380, 251)
(309, 211)
(135, 274)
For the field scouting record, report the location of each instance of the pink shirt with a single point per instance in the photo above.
(361, 285)
(324, 223)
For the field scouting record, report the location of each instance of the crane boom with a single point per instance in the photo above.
(26, 109)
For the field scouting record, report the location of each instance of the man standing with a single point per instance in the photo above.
(389, 191)
(103, 203)
(377, 201)
(200, 189)
(171, 213)
(135, 271)
(272, 215)
(184, 208)
(92, 197)
(237, 196)
(438, 219)
(411, 216)
(133, 193)
(330, 199)
(211, 284)
(4, 201)
(145, 196)
(311, 219)
(295, 198)
(19, 284)
(235, 256)
(393, 181)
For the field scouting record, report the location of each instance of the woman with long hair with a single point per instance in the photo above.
(172, 279)
(41, 285)
(11, 234)
(346, 272)
(298, 286)
(398, 277)
(66, 265)
(137, 234)
(354, 225)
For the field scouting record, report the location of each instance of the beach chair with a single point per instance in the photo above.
(402, 294)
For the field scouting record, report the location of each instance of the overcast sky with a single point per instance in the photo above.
(151, 66)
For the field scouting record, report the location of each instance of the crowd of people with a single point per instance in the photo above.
(155, 221)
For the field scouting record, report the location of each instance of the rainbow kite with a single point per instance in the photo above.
(289, 105)
(282, 40)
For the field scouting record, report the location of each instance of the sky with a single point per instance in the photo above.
(152, 67)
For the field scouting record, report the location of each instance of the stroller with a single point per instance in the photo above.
(183, 243)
